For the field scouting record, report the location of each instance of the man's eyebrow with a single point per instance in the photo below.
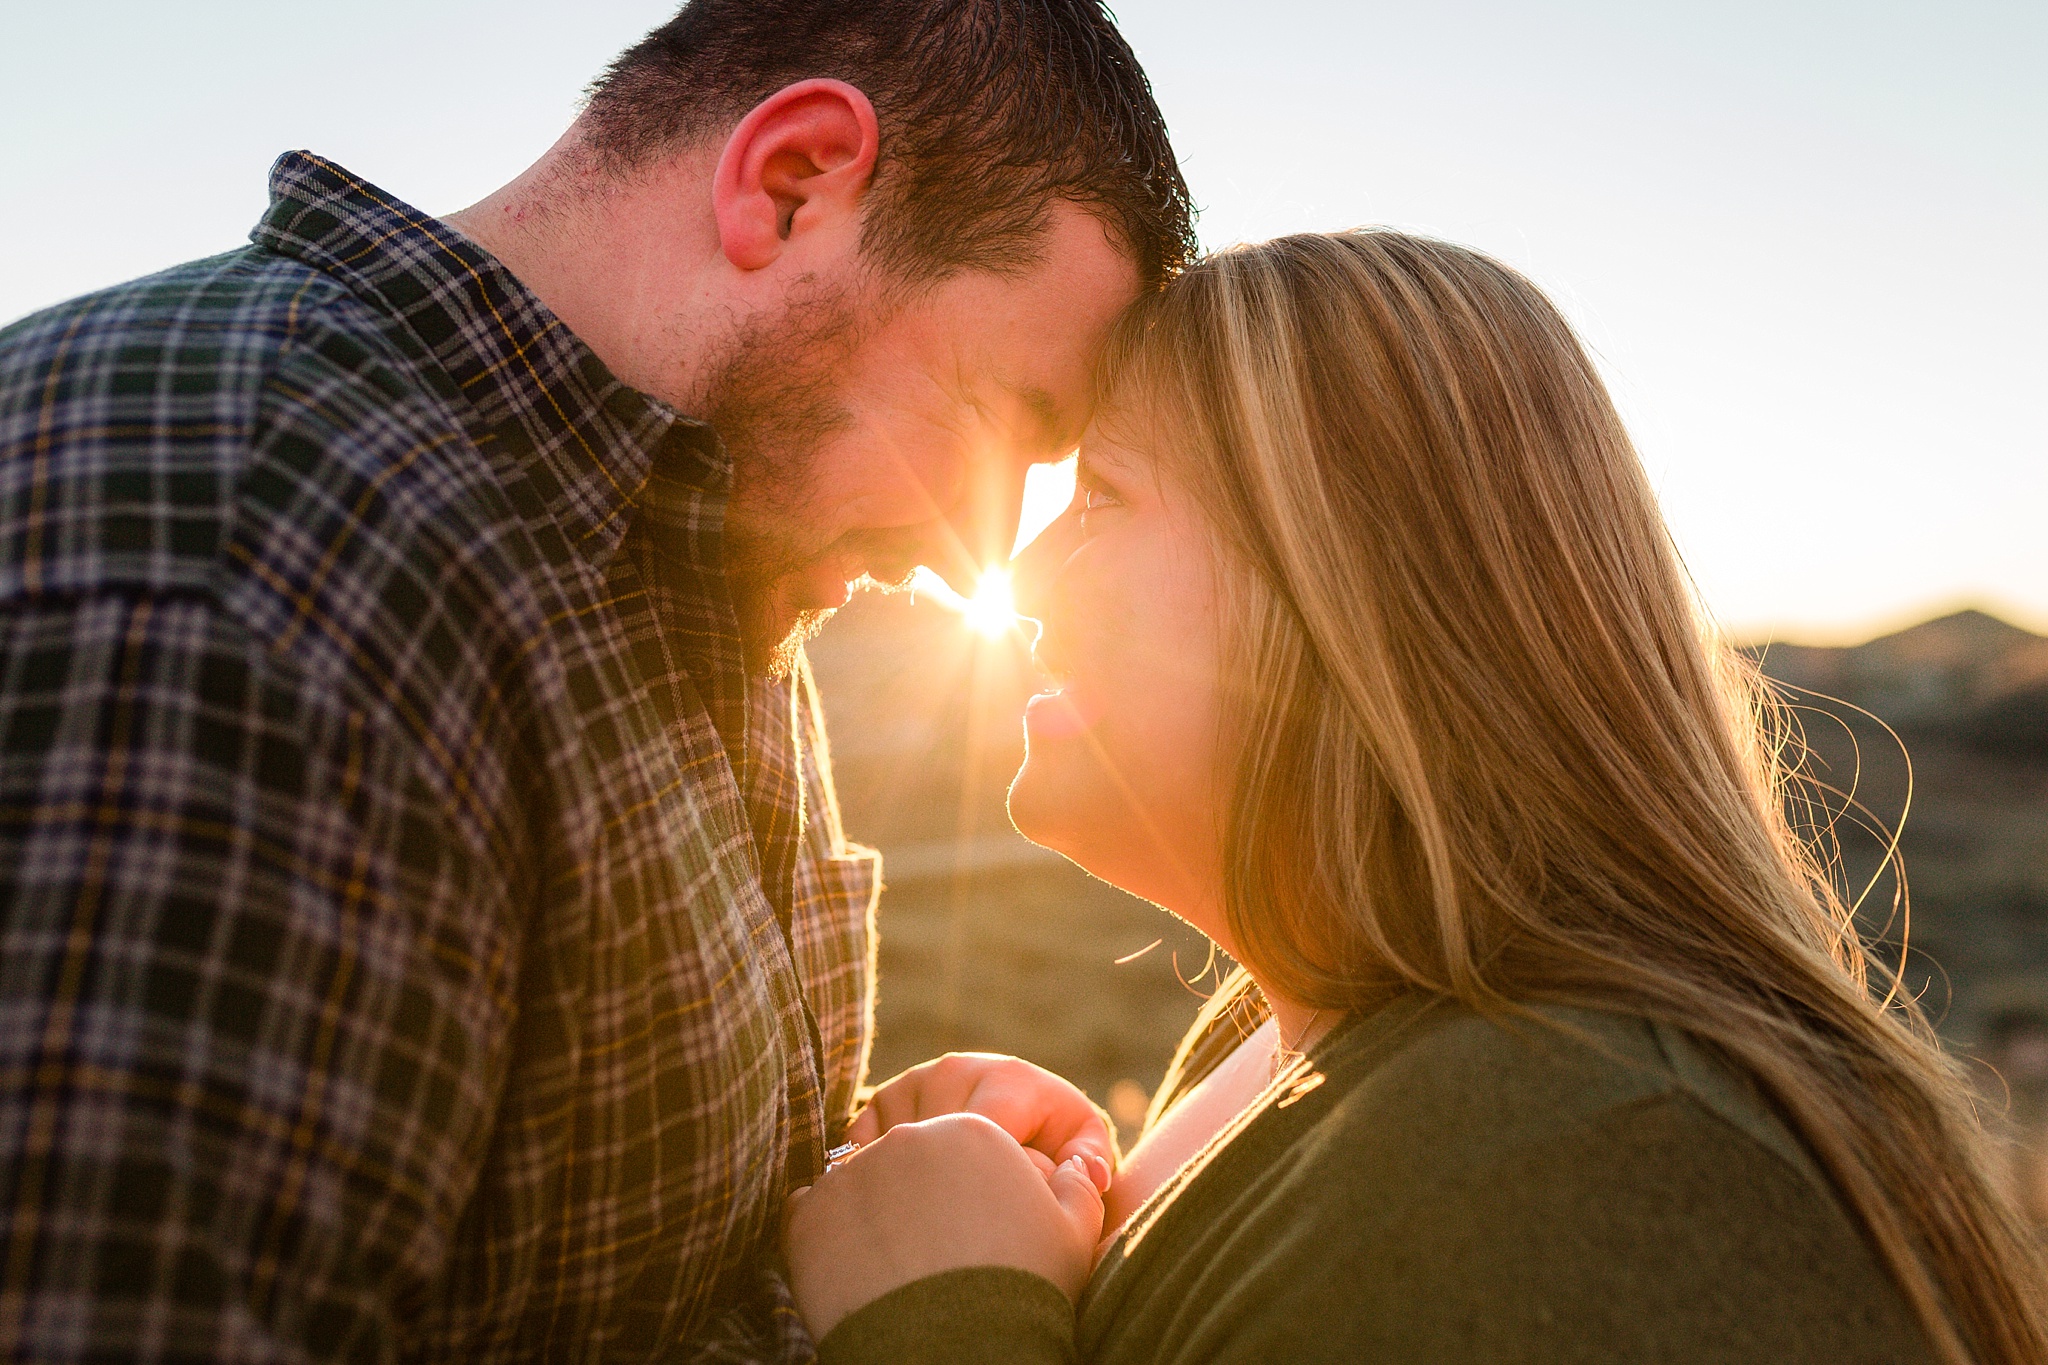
(1046, 413)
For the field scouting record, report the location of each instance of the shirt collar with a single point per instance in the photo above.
(531, 382)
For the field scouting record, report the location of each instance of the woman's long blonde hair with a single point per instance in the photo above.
(1491, 751)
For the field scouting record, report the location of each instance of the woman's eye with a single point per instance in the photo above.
(1094, 500)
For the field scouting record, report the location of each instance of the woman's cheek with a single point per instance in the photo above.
(1162, 655)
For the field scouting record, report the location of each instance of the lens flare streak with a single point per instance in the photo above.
(992, 610)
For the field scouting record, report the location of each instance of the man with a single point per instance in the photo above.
(425, 927)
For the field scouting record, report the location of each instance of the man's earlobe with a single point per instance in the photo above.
(800, 159)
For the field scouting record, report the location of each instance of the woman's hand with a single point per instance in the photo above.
(930, 1196)
(1045, 1113)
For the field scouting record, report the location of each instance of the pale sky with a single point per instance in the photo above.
(1808, 241)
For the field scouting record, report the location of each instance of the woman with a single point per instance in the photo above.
(1378, 667)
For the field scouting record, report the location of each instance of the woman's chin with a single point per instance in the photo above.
(1061, 800)
(1027, 808)
(1041, 800)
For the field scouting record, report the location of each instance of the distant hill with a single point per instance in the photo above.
(1969, 676)
(1967, 696)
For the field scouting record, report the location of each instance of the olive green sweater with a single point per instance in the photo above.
(1429, 1188)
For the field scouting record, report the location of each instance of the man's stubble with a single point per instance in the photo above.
(774, 405)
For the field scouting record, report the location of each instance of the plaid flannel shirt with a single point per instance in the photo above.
(419, 939)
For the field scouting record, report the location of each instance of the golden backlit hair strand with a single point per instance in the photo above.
(1492, 752)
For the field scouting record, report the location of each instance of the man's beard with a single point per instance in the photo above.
(774, 406)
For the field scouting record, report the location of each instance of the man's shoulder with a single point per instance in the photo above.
(189, 364)
(210, 322)
(144, 427)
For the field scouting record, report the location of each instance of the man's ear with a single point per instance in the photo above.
(798, 162)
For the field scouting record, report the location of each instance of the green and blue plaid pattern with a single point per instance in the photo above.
(419, 939)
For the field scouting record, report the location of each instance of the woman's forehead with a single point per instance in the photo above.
(1107, 449)
(1123, 436)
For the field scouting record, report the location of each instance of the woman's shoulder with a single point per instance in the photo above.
(1435, 1185)
(1463, 1081)
(1578, 1177)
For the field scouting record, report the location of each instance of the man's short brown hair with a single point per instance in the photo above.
(989, 110)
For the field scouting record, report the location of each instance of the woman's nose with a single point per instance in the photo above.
(1035, 568)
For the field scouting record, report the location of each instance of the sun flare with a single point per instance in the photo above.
(992, 610)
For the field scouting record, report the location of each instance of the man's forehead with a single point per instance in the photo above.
(1031, 338)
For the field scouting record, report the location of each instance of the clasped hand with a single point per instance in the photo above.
(969, 1160)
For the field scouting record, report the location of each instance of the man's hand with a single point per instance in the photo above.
(931, 1196)
(1045, 1113)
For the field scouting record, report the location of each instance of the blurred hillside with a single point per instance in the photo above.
(1967, 696)
(991, 943)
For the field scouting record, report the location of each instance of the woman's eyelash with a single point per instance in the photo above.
(1093, 499)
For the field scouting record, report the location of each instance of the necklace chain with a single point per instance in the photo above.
(1283, 1053)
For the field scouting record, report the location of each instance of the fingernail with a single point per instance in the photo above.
(1098, 1170)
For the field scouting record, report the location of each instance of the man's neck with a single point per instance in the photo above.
(622, 261)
